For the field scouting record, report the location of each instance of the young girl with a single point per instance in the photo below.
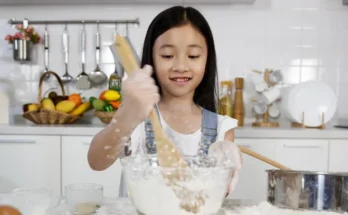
(179, 78)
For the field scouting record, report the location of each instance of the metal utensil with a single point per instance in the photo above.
(46, 54)
(66, 78)
(308, 190)
(82, 80)
(119, 70)
(97, 77)
(132, 47)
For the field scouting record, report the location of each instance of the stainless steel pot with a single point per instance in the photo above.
(308, 190)
(22, 50)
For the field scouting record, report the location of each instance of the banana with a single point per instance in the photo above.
(81, 109)
(65, 106)
(48, 104)
(33, 107)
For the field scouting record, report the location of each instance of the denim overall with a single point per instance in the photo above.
(209, 135)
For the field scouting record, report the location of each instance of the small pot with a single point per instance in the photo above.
(305, 190)
(22, 50)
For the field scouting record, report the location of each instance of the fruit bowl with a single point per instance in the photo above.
(206, 176)
(106, 105)
(55, 109)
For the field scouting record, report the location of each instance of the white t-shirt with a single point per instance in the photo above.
(187, 143)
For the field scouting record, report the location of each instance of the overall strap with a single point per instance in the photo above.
(209, 131)
(149, 135)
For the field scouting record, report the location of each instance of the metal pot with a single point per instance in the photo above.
(308, 190)
(22, 50)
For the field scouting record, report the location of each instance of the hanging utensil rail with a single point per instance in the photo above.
(79, 22)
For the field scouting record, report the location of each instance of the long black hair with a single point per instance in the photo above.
(206, 93)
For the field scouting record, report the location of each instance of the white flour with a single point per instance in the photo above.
(265, 208)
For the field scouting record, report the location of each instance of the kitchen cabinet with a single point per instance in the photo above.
(252, 182)
(309, 155)
(75, 167)
(29, 162)
(338, 158)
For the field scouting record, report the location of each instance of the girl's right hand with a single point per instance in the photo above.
(140, 94)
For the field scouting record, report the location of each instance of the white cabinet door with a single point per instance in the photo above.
(338, 158)
(252, 182)
(308, 155)
(29, 162)
(75, 167)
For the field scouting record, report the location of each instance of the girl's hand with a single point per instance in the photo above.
(234, 152)
(228, 149)
(140, 94)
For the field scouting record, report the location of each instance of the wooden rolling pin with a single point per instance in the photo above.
(263, 158)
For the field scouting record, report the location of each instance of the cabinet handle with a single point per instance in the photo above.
(18, 141)
(245, 146)
(301, 147)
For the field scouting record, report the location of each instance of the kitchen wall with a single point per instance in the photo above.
(306, 39)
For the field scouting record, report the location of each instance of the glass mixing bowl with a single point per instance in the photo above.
(156, 190)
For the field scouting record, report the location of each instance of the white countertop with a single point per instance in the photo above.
(22, 127)
(123, 206)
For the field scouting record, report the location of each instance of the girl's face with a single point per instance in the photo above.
(180, 56)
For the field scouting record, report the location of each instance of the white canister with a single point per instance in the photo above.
(4, 108)
(7, 101)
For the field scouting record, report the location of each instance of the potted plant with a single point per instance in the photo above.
(22, 42)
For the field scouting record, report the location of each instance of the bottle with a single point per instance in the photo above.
(115, 81)
(225, 102)
(238, 107)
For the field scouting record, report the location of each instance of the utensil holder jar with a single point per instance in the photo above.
(22, 50)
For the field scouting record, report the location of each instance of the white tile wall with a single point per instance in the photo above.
(307, 39)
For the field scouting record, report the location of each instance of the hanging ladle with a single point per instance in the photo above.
(46, 54)
(66, 78)
(97, 77)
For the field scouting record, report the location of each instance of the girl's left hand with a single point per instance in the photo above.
(228, 149)
(234, 152)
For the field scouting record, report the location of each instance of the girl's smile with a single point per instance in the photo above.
(181, 80)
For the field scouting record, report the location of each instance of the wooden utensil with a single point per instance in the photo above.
(167, 153)
(263, 158)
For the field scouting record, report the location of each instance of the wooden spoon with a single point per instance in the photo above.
(263, 158)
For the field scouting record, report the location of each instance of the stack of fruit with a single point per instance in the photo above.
(107, 103)
(56, 109)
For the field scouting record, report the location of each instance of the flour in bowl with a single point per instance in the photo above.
(152, 196)
(266, 208)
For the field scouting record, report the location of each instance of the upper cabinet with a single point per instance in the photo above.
(26, 2)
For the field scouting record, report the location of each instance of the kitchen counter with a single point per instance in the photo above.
(90, 128)
(123, 206)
